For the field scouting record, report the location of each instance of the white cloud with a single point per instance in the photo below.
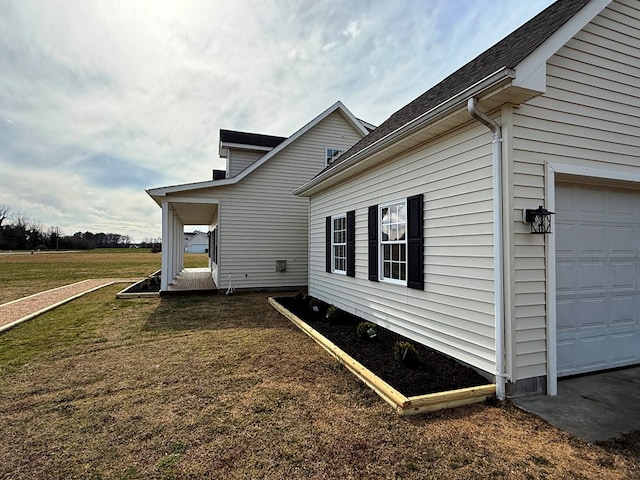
(101, 97)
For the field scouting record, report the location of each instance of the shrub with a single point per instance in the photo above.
(333, 314)
(406, 352)
(367, 330)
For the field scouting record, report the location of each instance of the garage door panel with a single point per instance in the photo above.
(591, 277)
(622, 240)
(621, 275)
(564, 313)
(566, 277)
(592, 312)
(597, 278)
(591, 239)
(564, 239)
(623, 310)
(622, 344)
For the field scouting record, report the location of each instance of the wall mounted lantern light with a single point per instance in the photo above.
(540, 219)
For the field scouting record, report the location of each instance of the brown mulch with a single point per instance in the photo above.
(435, 371)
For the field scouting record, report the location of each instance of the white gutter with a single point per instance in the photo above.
(498, 250)
(418, 123)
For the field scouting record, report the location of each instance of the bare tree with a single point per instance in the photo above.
(4, 212)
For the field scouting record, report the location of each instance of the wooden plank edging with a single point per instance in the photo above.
(403, 405)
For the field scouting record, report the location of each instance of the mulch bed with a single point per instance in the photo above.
(435, 372)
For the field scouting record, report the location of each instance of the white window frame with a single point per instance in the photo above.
(402, 245)
(335, 244)
(331, 154)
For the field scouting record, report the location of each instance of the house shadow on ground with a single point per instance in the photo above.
(244, 310)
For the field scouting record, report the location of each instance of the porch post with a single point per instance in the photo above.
(166, 246)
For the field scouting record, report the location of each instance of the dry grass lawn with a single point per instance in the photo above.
(224, 387)
(23, 274)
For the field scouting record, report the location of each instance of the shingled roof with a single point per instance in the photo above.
(246, 138)
(508, 52)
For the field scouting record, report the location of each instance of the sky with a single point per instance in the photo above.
(103, 99)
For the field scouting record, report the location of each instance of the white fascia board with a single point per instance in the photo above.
(223, 150)
(424, 120)
(245, 146)
(531, 73)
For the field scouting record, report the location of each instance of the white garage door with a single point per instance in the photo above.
(597, 277)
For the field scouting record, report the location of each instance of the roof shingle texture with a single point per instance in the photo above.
(508, 52)
(246, 138)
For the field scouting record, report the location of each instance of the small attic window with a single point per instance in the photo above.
(332, 154)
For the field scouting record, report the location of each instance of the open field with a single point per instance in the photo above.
(23, 274)
(224, 387)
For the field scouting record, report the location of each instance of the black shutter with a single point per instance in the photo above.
(327, 253)
(351, 243)
(415, 243)
(373, 243)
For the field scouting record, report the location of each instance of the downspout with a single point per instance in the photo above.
(498, 250)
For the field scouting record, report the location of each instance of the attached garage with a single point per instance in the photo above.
(597, 277)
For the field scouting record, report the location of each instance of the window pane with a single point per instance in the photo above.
(386, 252)
(403, 271)
(395, 270)
(403, 253)
(387, 270)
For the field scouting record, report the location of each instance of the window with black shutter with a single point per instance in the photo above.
(351, 243)
(373, 242)
(415, 243)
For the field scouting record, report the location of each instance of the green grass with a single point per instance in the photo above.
(25, 274)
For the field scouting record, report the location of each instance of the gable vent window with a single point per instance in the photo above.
(331, 154)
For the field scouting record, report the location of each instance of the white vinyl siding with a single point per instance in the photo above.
(588, 117)
(238, 160)
(454, 312)
(262, 221)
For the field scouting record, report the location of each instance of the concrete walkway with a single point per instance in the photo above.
(592, 407)
(18, 311)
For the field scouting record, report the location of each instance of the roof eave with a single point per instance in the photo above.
(488, 83)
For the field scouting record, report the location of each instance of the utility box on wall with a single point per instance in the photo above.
(281, 265)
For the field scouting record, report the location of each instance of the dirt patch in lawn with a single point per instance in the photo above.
(432, 372)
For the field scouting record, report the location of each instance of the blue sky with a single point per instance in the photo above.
(100, 99)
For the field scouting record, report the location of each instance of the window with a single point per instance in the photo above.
(393, 242)
(396, 242)
(331, 154)
(339, 244)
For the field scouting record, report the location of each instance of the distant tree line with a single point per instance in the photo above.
(19, 232)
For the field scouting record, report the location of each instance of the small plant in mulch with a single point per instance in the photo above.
(406, 352)
(334, 314)
(367, 331)
(314, 305)
(301, 299)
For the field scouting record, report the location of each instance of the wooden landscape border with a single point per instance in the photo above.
(403, 405)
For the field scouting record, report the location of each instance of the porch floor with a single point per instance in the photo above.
(193, 280)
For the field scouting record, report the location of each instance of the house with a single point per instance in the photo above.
(425, 221)
(196, 242)
(258, 230)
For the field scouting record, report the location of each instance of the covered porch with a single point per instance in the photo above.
(193, 280)
(176, 214)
